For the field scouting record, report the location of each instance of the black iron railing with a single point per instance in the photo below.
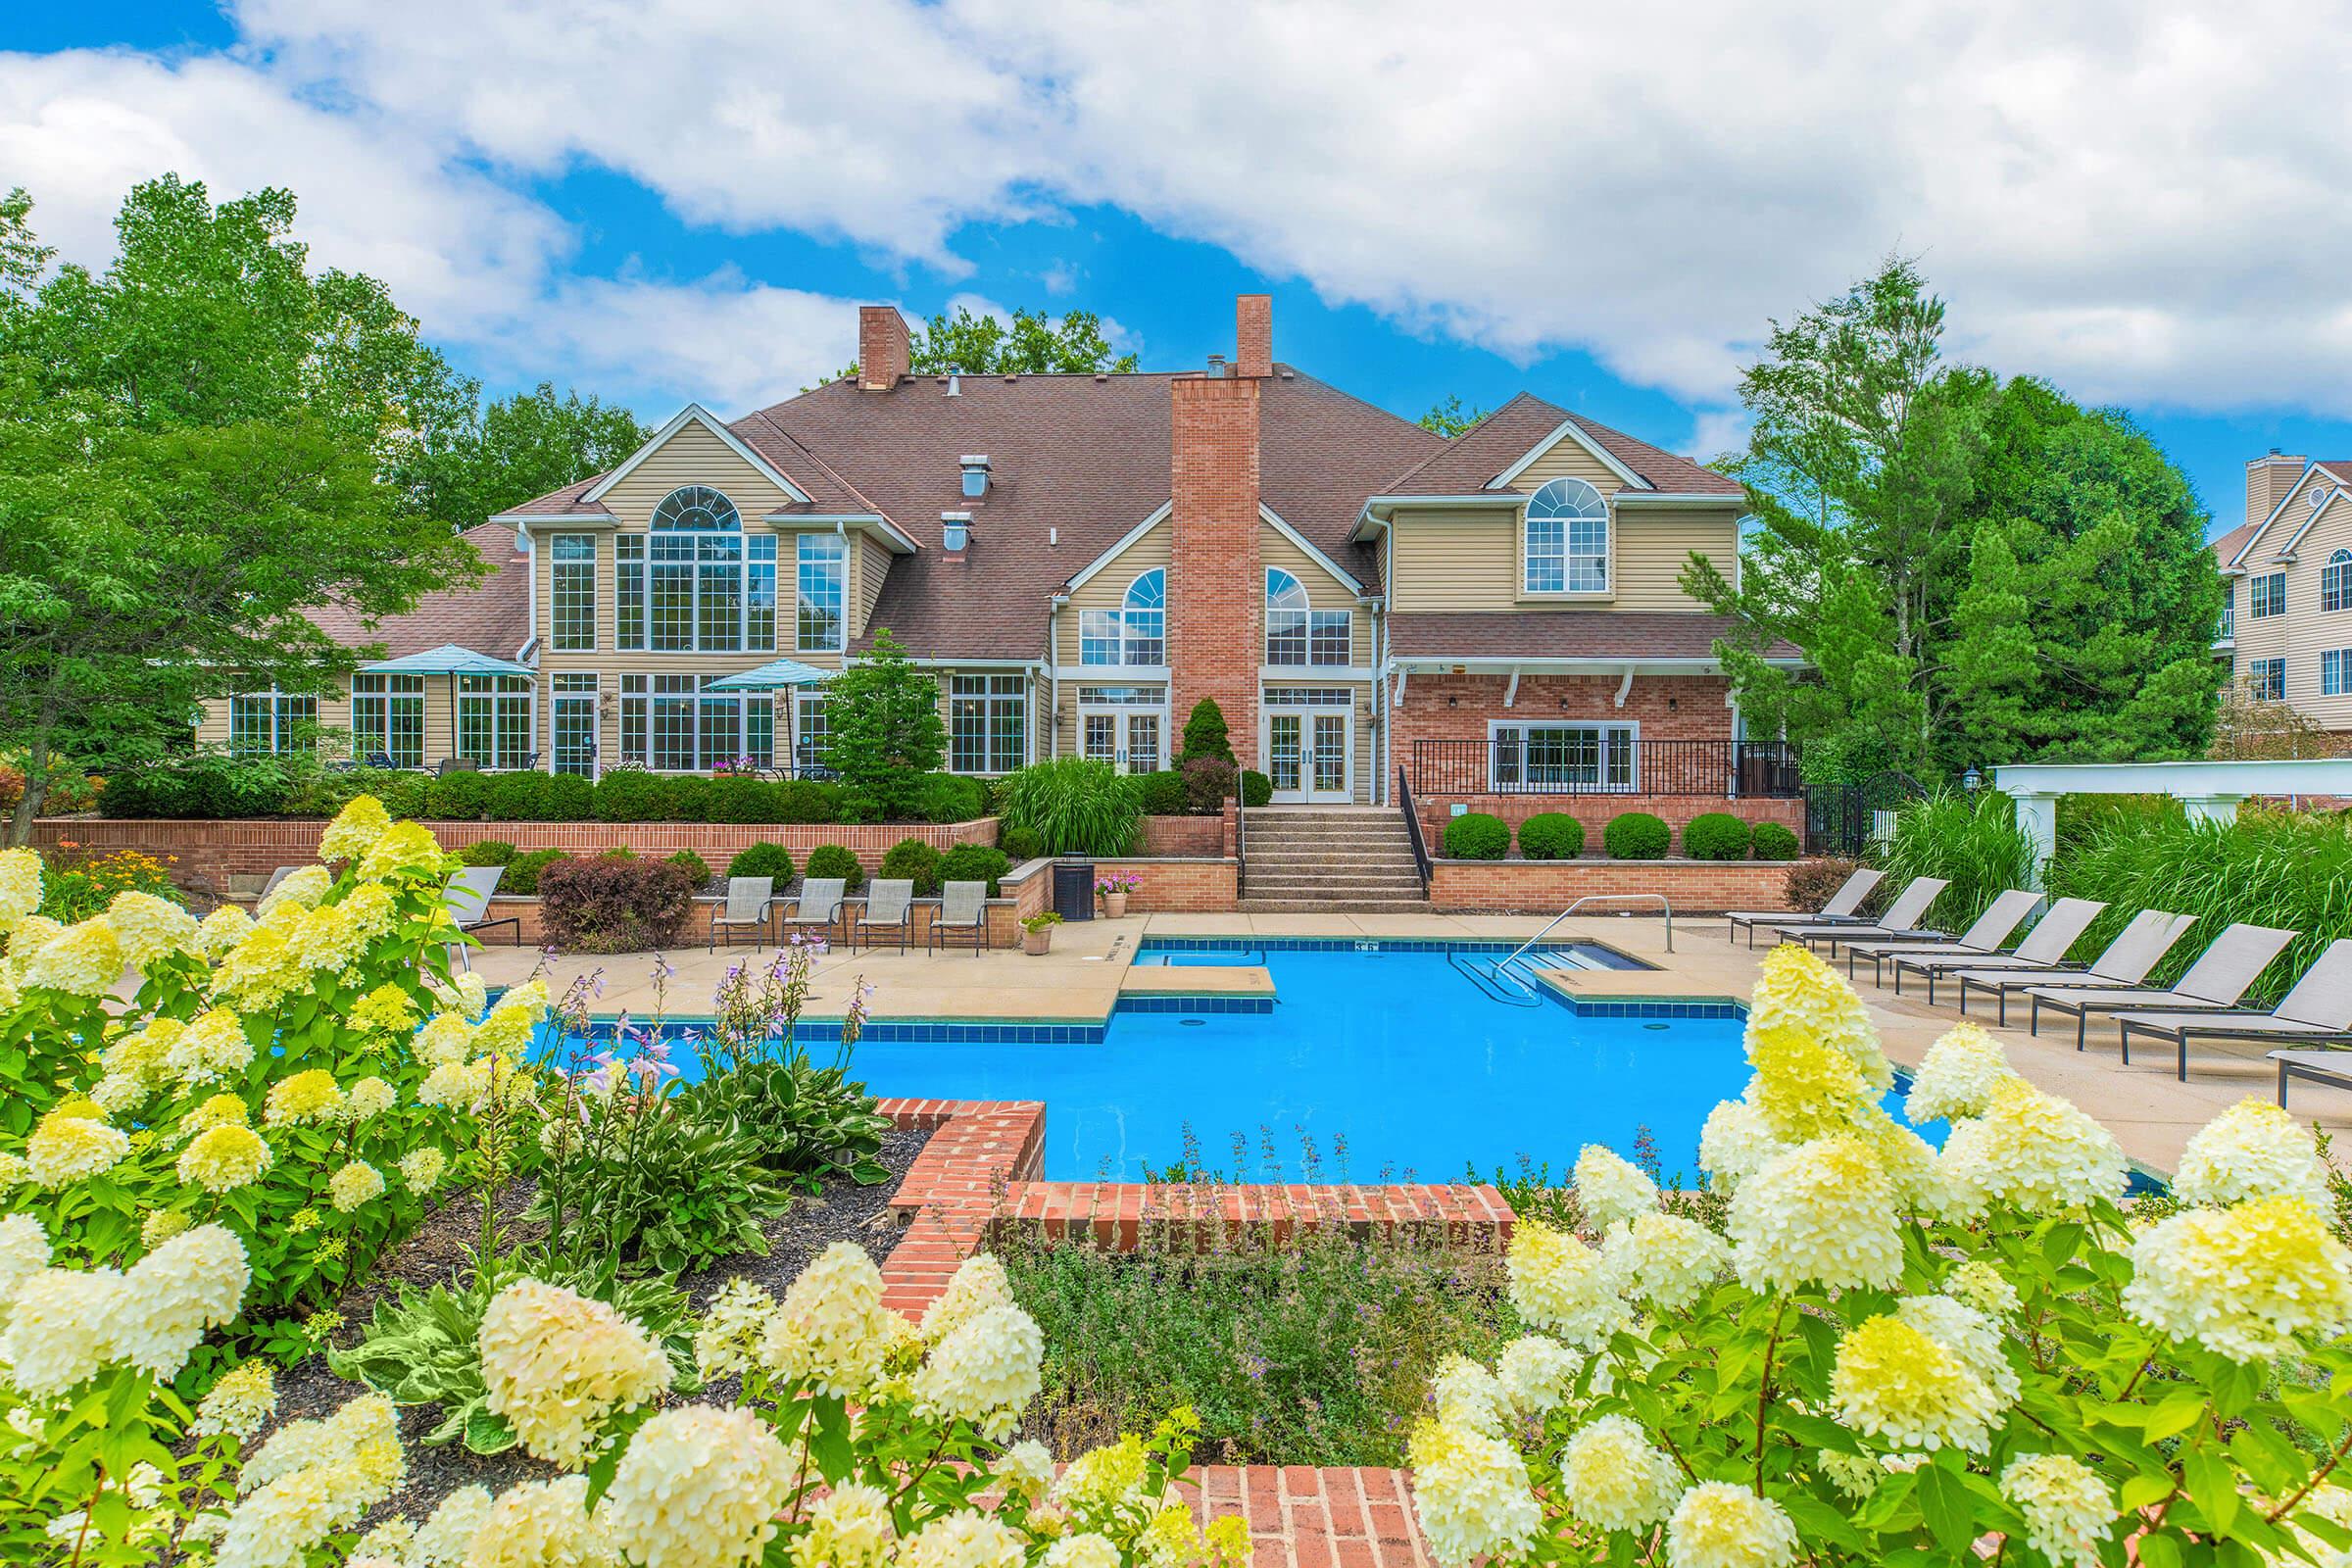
(1595, 760)
(1412, 827)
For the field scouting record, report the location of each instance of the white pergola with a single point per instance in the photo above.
(2209, 791)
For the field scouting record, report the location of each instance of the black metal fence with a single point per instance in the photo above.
(1599, 761)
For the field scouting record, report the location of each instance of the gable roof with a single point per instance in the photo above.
(2226, 548)
(491, 616)
(2336, 470)
(1514, 433)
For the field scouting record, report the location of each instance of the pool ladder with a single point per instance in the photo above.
(1514, 970)
(1506, 981)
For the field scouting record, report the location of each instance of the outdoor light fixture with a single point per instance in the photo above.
(1972, 781)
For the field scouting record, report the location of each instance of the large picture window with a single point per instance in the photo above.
(669, 723)
(1567, 541)
(988, 724)
(824, 576)
(2335, 581)
(387, 719)
(1567, 758)
(1296, 634)
(1135, 633)
(494, 720)
(571, 592)
(272, 721)
(695, 584)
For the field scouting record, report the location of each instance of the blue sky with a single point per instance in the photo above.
(652, 203)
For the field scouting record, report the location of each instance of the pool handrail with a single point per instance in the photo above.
(1591, 898)
(1412, 827)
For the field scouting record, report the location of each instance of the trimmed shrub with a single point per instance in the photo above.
(1774, 842)
(916, 860)
(1020, 844)
(689, 799)
(458, 797)
(694, 866)
(406, 793)
(1207, 784)
(1205, 734)
(763, 859)
(1160, 794)
(488, 852)
(1636, 836)
(1551, 836)
(514, 797)
(833, 860)
(1811, 882)
(607, 905)
(632, 795)
(1476, 836)
(208, 784)
(808, 801)
(1074, 805)
(1716, 836)
(1256, 788)
(950, 798)
(567, 797)
(523, 871)
(738, 798)
(974, 862)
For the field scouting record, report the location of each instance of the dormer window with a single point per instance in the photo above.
(975, 474)
(1566, 545)
(1135, 633)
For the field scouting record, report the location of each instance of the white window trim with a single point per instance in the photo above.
(841, 638)
(1608, 524)
(642, 569)
(989, 698)
(2252, 665)
(1632, 733)
(2337, 560)
(2343, 672)
(1119, 613)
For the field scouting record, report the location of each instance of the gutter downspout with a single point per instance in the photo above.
(1053, 675)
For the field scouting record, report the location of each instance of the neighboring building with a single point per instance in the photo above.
(2286, 626)
(1081, 559)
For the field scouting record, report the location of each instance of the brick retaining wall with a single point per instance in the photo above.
(1190, 885)
(1545, 887)
(1167, 837)
(1597, 811)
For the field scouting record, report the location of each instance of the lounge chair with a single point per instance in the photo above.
(2124, 962)
(468, 901)
(2317, 1011)
(1840, 911)
(2043, 948)
(2217, 978)
(2320, 1067)
(456, 764)
(819, 906)
(382, 760)
(270, 886)
(962, 908)
(750, 902)
(1983, 938)
(889, 907)
(1901, 919)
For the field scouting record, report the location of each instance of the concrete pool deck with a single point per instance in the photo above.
(2150, 1113)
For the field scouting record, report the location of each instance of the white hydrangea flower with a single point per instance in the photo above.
(1796, 988)
(446, 1039)
(1472, 1493)
(84, 959)
(1537, 1372)
(1719, 1525)
(299, 888)
(556, 1365)
(963, 1540)
(1855, 1475)
(455, 1082)
(2248, 1281)
(1088, 1550)
(831, 1329)
(56, 1334)
(310, 1480)
(2068, 1509)
(978, 1282)
(1735, 1143)
(219, 933)
(2252, 1149)
(442, 1539)
(728, 1339)
(542, 1524)
(1611, 1188)
(1894, 1382)
(193, 1282)
(213, 1046)
(20, 886)
(698, 1486)
(245, 1396)
(148, 928)
(420, 1170)
(1981, 1287)
(1956, 1077)
(985, 1370)
(473, 994)
(1563, 1287)
(1667, 1260)
(1969, 1334)
(355, 1184)
(369, 1098)
(1024, 1470)
(355, 829)
(848, 1527)
(1614, 1478)
(1821, 1213)
(24, 1252)
(71, 1143)
(2034, 1151)
(1470, 1397)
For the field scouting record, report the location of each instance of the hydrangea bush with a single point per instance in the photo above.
(1895, 1353)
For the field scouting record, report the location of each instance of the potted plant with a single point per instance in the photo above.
(1114, 887)
(1037, 933)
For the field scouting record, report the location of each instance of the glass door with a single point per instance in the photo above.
(572, 726)
(1127, 739)
(1328, 780)
(1283, 756)
(1309, 755)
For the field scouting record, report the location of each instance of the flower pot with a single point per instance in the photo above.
(1114, 905)
(1036, 944)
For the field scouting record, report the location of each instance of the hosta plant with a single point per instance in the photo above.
(1897, 1354)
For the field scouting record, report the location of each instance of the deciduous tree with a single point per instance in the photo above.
(883, 732)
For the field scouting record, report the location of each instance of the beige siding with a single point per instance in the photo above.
(2305, 630)
(1654, 544)
(1323, 590)
(872, 566)
(1107, 589)
(1568, 460)
(693, 456)
(1460, 560)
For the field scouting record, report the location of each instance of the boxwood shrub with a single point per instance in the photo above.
(1551, 836)
(1160, 794)
(834, 860)
(458, 797)
(1020, 844)
(808, 801)
(738, 798)
(763, 859)
(1476, 836)
(1256, 788)
(488, 852)
(522, 871)
(1716, 836)
(916, 861)
(1774, 842)
(974, 862)
(632, 795)
(694, 866)
(689, 799)
(1636, 836)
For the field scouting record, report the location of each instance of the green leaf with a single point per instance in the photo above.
(1819, 1521)
(2175, 1415)
(2159, 1551)
(829, 1439)
(2211, 1485)
(486, 1433)
(2142, 1490)
(1948, 1507)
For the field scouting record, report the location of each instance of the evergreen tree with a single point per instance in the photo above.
(1205, 734)
(883, 733)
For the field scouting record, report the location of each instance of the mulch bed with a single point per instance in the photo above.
(441, 1250)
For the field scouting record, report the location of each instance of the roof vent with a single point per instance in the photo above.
(1216, 365)
(954, 388)
(975, 474)
(955, 531)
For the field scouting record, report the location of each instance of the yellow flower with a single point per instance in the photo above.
(507, 1031)
(215, 1046)
(369, 1098)
(556, 1364)
(161, 1226)
(1804, 1088)
(307, 1096)
(1957, 1075)
(299, 888)
(1895, 1382)
(848, 1528)
(2252, 1149)
(386, 1009)
(222, 930)
(245, 1396)
(1615, 1478)
(1472, 1493)
(84, 959)
(406, 851)
(2034, 1151)
(1797, 989)
(149, 928)
(263, 968)
(699, 1485)
(1667, 1259)
(447, 1039)
(1821, 1213)
(1563, 1287)
(327, 939)
(355, 1184)
(420, 1168)
(355, 829)
(71, 1143)
(1609, 1189)
(1719, 1525)
(31, 933)
(2248, 1281)
(20, 886)
(141, 1054)
(830, 1329)
(224, 1158)
(371, 909)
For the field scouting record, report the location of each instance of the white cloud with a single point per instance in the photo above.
(2143, 201)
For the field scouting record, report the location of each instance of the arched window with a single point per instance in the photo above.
(1567, 544)
(1135, 633)
(697, 507)
(1296, 634)
(2335, 581)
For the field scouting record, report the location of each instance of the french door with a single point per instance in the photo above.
(1127, 739)
(1309, 755)
(571, 725)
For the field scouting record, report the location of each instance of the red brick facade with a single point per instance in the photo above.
(1546, 887)
(1191, 885)
(884, 349)
(1253, 334)
(1217, 592)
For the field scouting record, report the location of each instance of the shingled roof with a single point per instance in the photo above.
(1472, 460)
(1566, 634)
(490, 617)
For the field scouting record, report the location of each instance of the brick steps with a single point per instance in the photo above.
(1342, 860)
(1415, 905)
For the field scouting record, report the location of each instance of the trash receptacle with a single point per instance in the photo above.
(1074, 889)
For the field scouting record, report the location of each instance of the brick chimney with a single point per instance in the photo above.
(2268, 480)
(1253, 334)
(1216, 594)
(884, 351)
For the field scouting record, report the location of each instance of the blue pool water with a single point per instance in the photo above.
(1390, 1064)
